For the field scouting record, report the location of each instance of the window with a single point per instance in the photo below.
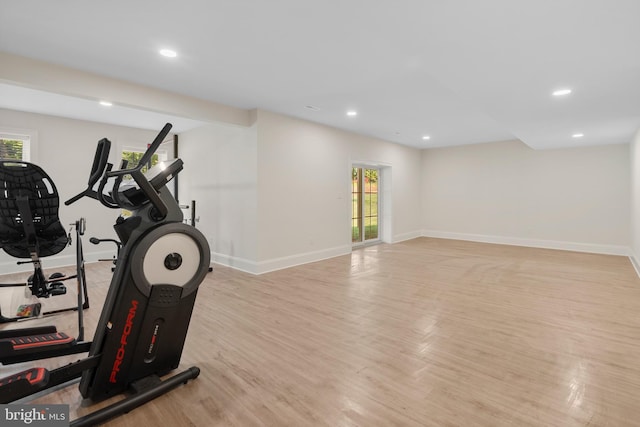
(132, 152)
(134, 155)
(15, 147)
(133, 158)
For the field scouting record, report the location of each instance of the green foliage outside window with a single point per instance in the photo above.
(10, 149)
(133, 158)
(370, 175)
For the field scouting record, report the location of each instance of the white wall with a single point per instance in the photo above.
(65, 150)
(277, 193)
(505, 192)
(220, 174)
(634, 151)
(304, 197)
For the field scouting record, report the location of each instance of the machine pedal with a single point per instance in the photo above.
(39, 341)
(34, 376)
(22, 384)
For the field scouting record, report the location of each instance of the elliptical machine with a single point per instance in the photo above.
(143, 325)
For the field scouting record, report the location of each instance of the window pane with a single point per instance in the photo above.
(134, 157)
(10, 149)
(356, 212)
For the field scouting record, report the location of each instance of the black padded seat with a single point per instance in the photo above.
(26, 190)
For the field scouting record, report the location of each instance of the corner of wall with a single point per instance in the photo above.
(299, 259)
(635, 263)
(241, 264)
(253, 116)
(406, 236)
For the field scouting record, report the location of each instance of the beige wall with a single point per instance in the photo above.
(277, 193)
(506, 192)
(269, 196)
(304, 197)
(221, 176)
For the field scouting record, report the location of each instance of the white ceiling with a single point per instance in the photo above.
(461, 71)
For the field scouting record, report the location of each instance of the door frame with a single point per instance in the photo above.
(384, 202)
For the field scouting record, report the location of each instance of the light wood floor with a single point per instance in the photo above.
(428, 332)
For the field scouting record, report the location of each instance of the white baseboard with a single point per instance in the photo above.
(299, 259)
(236, 263)
(406, 236)
(278, 263)
(534, 243)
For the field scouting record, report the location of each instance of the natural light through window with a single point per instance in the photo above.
(15, 147)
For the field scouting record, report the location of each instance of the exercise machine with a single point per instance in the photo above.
(143, 325)
(27, 344)
(30, 229)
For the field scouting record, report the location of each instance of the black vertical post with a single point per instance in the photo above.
(80, 277)
(175, 156)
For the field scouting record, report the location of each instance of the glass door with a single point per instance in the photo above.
(364, 206)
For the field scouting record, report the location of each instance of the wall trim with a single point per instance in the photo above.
(299, 259)
(274, 264)
(407, 236)
(241, 264)
(534, 243)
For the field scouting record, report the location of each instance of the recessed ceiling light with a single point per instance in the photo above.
(426, 137)
(106, 103)
(168, 53)
(577, 135)
(352, 113)
(561, 92)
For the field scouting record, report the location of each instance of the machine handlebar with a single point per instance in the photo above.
(102, 169)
